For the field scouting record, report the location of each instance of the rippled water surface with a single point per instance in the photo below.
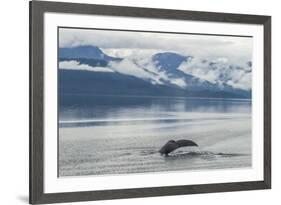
(121, 135)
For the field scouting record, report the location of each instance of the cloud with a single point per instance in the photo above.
(218, 59)
(244, 82)
(180, 82)
(124, 43)
(217, 71)
(74, 65)
(143, 68)
(220, 71)
(127, 67)
(129, 52)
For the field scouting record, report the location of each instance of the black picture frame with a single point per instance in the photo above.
(36, 175)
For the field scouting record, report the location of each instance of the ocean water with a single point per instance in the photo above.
(101, 135)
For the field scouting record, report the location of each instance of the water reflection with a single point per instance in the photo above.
(123, 107)
(115, 135)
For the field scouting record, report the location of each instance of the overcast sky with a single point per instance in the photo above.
(124, 43)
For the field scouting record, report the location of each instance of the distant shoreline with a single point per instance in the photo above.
(164, 97)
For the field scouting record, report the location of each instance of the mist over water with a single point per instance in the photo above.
(121, 134)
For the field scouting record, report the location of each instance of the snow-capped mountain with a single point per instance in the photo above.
(220, 72)
(164, 73)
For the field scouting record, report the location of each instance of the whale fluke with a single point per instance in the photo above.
(173, 145)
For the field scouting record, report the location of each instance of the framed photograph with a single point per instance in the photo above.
(139, 102)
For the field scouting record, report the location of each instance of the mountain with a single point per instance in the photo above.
(84, 52)
(169, 61)
(221, 73)
(164, 74)
(86, 83)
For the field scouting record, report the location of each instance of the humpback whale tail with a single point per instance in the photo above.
(173, 145)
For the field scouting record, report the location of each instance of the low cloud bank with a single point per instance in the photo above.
(218, 71)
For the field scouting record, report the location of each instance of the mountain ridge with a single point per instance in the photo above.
(162, 72)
